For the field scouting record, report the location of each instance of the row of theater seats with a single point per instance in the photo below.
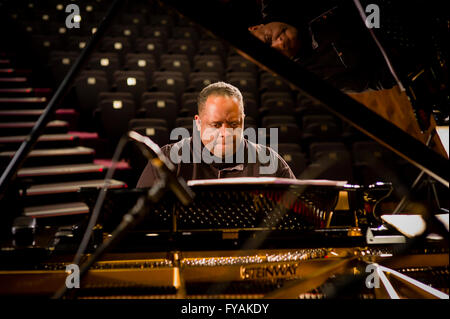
(154, 41)
(129, 25)
(131, 32)
(148, 62)
(142, 75)
(182, 74)
(114, 110)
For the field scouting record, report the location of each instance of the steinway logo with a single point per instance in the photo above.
(269, 271)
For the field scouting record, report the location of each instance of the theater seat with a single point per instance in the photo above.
(133, 82)
(331, 161)
(160, 108)
(297, 161)
(87, 87)
(169, 82)
(114, 117)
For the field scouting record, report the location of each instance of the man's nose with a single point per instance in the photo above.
(225, 130)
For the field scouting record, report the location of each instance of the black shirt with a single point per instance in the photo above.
(203, 170)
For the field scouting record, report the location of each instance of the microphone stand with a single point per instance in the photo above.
(132, 218)
(167, 180)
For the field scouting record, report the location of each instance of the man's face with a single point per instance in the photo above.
(280, 36)
(221, 125)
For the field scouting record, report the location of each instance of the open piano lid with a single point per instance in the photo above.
(213, 16)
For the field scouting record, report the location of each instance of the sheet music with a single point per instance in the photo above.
(412, 225)
(442, 132)
(266, 180)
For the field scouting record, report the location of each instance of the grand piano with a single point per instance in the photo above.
(256, 237)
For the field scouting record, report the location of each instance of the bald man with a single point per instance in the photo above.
(221, 151)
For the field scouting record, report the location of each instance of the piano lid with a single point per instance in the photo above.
(382, 117)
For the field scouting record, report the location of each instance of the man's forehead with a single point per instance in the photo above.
(221, 98)
(220, 107)
(224, 116)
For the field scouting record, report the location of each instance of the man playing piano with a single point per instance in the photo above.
(221, 151)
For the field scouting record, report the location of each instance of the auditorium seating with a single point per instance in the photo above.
(237, 63)
(171, 81)
(198, 80)
(331, 160)
(114, 117)
(272, 83)
(88, 86)
(373, 162)
(144, 62)
(212, 46)
(163, 108)
(297, 161)
(209, 63)
(154, 46)
(157, 131)
(133, 82)
(320, 128)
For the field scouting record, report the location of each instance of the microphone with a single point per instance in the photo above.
(164, 166)
(168, 179)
